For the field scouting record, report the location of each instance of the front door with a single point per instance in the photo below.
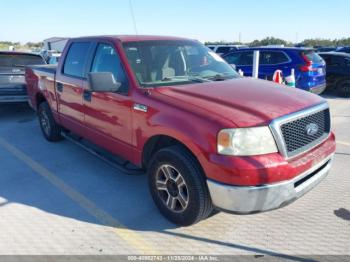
(108, 115)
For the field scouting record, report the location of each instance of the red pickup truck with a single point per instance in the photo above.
(207, 138)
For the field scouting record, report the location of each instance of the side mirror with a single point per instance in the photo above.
(103, 82)
(233, 66)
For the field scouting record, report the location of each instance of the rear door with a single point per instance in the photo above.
(69, 86)
(108, 115)
(272, 60)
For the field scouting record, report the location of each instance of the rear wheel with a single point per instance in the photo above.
(178, 186)
(343, 88)
(51, 130)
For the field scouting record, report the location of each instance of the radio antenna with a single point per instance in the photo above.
(133, 16)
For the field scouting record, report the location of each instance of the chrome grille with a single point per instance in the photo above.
(292, 132)
(295, 134)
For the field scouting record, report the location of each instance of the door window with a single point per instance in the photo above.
(273, 58)
(246, 58)
(76, 59)
(224, 49)
(233, 59)
(107, 60)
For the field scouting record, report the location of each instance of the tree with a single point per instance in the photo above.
(342, 42)
(34, 45)
(269, 41)
(317, 42)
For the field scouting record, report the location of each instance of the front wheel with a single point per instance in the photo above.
(178, 186)
(51, 130)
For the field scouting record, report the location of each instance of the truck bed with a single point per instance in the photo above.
(39, 78)
(46, 69)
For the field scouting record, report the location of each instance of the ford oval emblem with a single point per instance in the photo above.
(311, 129)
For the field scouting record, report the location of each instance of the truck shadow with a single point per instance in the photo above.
(71, 173)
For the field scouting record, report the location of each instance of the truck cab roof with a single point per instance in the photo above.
(134, 38)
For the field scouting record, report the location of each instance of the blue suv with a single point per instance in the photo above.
(310, 73)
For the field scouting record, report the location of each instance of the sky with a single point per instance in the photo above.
(205, 20)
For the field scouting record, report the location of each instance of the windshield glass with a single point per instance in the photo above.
(164, 63)
(18, 60)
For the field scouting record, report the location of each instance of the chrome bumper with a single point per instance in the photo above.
(318, 89)
(254, 199)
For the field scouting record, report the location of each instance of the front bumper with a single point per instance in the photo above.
(13, 93)
(254, 199)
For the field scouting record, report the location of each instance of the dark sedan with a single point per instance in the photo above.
(12, 69)
(338, 72)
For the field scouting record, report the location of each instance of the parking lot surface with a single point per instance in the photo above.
(56, 198)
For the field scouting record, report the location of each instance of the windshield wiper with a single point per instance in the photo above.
(186, 78)
(218, 77)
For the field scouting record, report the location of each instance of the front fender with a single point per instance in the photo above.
(198, 135)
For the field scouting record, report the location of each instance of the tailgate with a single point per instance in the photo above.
(317, 62)
(317, 74)
(12, 81)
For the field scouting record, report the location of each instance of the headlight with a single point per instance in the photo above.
(246, 141)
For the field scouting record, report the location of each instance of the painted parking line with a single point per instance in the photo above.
(131, 237)
(343, 143)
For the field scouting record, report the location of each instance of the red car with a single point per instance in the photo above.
(207, 138)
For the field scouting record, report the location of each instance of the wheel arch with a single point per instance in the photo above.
(39, 98)
(160, 141)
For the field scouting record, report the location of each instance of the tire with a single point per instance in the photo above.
(51, 130)
(214, 212)
(343, 88)
(192, 199)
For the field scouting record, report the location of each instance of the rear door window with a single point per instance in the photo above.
(273, 57)
(76, 59)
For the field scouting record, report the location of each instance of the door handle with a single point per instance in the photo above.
(87, 95)
(59, 87)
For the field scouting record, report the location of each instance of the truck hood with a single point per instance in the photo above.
(240, 102)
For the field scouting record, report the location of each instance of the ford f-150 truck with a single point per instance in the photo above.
(207, 138)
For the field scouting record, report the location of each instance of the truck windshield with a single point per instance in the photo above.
(164, 63)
